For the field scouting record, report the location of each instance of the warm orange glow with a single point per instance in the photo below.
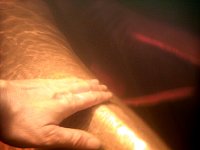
(127, 137)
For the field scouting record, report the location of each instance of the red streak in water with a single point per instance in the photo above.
(169, 95)
(194, 59)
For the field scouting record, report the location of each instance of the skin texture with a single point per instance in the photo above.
(32, 47)
(47, 103)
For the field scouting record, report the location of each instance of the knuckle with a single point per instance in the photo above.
(73, 102)
(66, 100)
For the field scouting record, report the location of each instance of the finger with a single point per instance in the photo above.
(86, 86)
(68, 81)
(60, 137)
(77, 102)
(78, 87)
(58, 85)
(94, 85)
(75, 85)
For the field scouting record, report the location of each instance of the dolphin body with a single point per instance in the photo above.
(33, 47)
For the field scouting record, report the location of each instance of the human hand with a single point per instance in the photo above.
(31, 111)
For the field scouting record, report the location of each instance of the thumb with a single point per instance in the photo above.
(60, 137)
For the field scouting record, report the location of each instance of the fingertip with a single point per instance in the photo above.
(94, 81)
(104, 87)
(109, 95)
